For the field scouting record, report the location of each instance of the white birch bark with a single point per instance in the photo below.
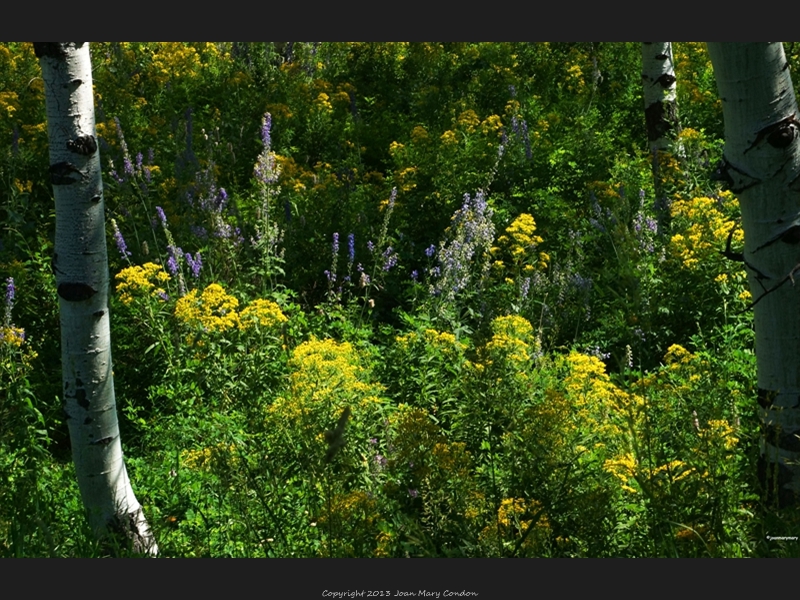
(660, 114)
(660, 94)
(80, 263)
(762, 166)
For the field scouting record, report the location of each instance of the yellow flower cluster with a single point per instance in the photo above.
(323, 102)
(469, 120)
(623, 468)
(213, 310)
(264, 312)
(216, 310)
(353, 517)
(449, 138)
(9, 103)
(12, 336)
(23, 186)
(512, 340)
(704, 229)
(720, 431)
(177, 60)
(205, 458)
(147, 279)
(326, 376)
(419, 134)
(629, 471)
(519, 244)
(677, 354)
(443, 342)
(608, 409)
(514, 518)
(575, 80)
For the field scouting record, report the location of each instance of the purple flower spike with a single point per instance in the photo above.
(266, 126)
(121, 245)
(351, 247)
(172, 266)
(335, 244)
(195, 264)
(161, 215)
(10, 292)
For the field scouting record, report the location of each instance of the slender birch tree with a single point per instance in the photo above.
(80, 264)
(762, 166)
(660, 112)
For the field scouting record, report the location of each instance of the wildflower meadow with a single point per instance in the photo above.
(392, 300)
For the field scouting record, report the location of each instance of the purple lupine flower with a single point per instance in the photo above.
(172, 265)
(163, 295)
(161, 215)
(351, 247)
(430, 250)
(175, 254)
(151, 156)
(370, 246)
(392, 198)
(415, 275)
(147, 174)
(222, 199)
(335, 244)
(598, 353)
(10, 293)
(390, 258)
(195, 263)
(127, 165)
(413, 493)
(266, 126)
(139, 160)
(199, 231)
(121, 245)
(525, 287)
(380, 460)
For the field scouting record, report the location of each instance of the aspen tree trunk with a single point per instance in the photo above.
(762, 166)
(660, 94)
(660, 113)
(80, 263)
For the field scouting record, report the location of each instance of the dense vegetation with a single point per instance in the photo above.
(392, 299)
